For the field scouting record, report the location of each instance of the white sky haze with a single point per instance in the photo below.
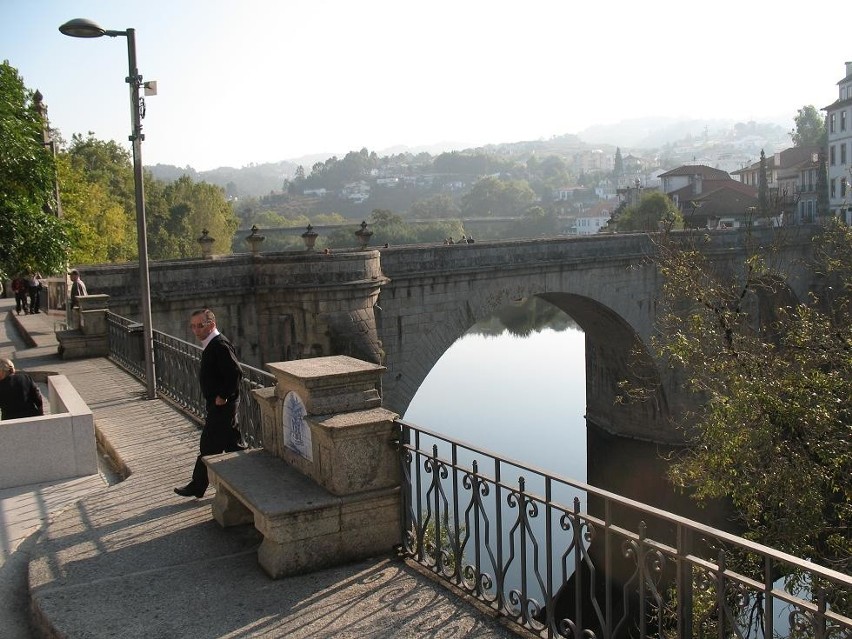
(262, 81)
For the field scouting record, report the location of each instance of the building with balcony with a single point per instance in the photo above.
(839, 128)
(792, 183)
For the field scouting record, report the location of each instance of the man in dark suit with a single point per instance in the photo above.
(220, 376)
(19, 395)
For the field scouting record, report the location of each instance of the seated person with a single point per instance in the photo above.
(19, 395)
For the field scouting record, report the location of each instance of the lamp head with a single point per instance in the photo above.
(82, 28)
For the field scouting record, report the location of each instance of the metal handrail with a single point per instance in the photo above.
(562, 558)
(177, 365)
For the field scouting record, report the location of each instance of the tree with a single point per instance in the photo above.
(34, 238)
(774, 376)
(653, 208)
(493, 197)
(100, 227)
(435, 206)
(762, 188)
(182, 211)
(537, 222)
(618, 164)
(810, 128)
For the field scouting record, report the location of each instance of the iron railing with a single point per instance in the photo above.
(564, 559)
(177, 364)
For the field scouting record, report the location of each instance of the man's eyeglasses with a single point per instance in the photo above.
(201, 325)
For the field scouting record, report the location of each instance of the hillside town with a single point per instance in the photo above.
(748, 174)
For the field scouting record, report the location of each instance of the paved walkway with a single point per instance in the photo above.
(132, 559)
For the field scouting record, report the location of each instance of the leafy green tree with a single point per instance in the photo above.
(391, 228)
(772, 433)
(537, 222)
(181, 211)
(106, 163)
(328, 218)
(493, 197)
(100, 227)
(98, 192)
(618, 164)
(33, 237)
(435, 206)
(653, 209)
(762, 188)
(475, 164)
(810, 128)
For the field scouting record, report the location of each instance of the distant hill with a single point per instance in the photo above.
(637, 135)
(653, 133)
(251, 180)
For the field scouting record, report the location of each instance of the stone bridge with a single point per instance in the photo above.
(404, 306)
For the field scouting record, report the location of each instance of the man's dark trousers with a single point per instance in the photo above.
(220, 435)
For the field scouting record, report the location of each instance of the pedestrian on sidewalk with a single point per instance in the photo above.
(78, 288)
(20, 289)
(219, 377)
(34, 284)
(19, 395)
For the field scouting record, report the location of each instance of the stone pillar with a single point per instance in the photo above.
(91, 339)
(338, 433)
(337, 499)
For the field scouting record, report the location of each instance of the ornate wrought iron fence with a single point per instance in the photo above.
(564, 559)
(177, 365)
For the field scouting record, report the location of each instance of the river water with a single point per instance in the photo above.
(520, 397)
(521, 394)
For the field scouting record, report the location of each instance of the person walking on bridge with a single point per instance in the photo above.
(220, 377)
(20, 288)
(78, 288)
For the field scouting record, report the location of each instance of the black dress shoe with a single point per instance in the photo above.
(188, 491)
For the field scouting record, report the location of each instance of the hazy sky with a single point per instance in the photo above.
(244, 81)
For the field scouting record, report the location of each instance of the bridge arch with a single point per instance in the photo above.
(420, 317)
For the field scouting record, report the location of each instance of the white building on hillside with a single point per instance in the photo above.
(839, 126)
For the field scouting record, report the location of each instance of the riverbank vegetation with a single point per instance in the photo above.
(774, 432)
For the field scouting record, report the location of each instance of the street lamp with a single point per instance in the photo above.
(82, 28)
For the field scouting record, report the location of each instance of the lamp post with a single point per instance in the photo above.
(82, 28)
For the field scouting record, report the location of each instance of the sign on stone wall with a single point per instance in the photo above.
(297, 433)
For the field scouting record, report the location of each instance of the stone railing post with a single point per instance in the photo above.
(325, 418)
(92, 318)
(206, 243)
(91, 338)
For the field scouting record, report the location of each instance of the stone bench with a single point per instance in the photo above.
(304, 526)
(325, 491)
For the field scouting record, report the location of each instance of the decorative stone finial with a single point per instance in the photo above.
(309, 237)
(206, 243)
(254, 240)
(363, 235)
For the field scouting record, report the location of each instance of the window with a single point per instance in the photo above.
(843, 187)
(843, 154)
(833, 188)
(843, 120)
(831, 155)
(831, 119)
